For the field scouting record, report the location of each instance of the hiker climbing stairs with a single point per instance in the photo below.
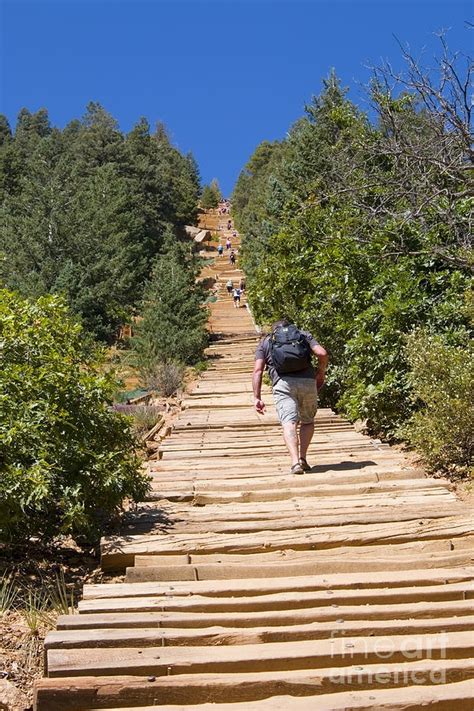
(245, 588)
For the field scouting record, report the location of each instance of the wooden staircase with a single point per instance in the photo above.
(350, 587)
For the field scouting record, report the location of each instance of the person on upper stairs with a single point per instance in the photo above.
(287, 354)
(237, 294)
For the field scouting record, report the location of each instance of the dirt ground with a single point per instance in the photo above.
(33, 573)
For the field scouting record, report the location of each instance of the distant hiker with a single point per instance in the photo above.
(232, 257)
(229, 287)
(287, 355)
(228, 243)
(234, 233)
(236, 294)
(229, 225)
(220, 250)
(242, 284)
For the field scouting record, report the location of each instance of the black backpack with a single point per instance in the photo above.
(289, 349)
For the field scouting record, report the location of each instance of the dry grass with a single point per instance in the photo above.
(37, 585)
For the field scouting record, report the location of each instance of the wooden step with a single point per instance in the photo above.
(212, 636)
(235, 588)
(275, 656)
(184, 619)
(441, 685)
(149, 522)
(118, 552)
(275, 601)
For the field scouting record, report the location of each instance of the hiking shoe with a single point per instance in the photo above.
(304, 465)
(296, 469)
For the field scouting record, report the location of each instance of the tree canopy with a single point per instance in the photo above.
(85, 210)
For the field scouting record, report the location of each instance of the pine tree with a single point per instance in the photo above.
(5, 130)
(211, 195)
(173, 324)
(85, 210)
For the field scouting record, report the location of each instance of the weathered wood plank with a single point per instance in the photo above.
(236, 571)
(148, 523)
(155, 637)
(121, 551)
(408, 610)
(458, 695)
(239, 691)
(163, 661)
(278, 601)
(233, 588)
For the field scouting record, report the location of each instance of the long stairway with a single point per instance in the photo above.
(248, 589)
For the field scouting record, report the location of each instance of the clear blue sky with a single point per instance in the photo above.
(222, 74)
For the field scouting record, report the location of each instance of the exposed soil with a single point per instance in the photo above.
(33, 571)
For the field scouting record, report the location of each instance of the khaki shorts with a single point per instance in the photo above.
(296, 399)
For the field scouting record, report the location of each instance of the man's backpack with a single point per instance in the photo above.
(289, 349)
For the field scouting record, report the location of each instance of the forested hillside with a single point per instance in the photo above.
(357, 226)
(85, 210)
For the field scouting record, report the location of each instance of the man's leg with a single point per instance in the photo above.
(287, 410)
(306, 435)
(290, 436)
(308, 405)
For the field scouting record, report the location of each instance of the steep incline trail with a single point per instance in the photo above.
(248, 589)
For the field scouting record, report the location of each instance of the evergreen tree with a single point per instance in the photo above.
(5, 130)
(173, 325)
(216, 189)
(85, 210)
(211, 195)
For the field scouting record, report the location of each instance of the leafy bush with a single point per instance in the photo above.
(442, 378)
(201, 366)
(67, 460)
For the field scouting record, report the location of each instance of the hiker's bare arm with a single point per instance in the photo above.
(257, 385)
(323, 359)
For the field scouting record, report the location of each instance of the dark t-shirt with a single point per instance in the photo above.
(264, 351)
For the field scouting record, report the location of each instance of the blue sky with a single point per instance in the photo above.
(223, 75)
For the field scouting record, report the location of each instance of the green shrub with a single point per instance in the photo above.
(142, 417)
(164, 377)
(67, 460)
(201, 366)
(442, 378)
(169, 378)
